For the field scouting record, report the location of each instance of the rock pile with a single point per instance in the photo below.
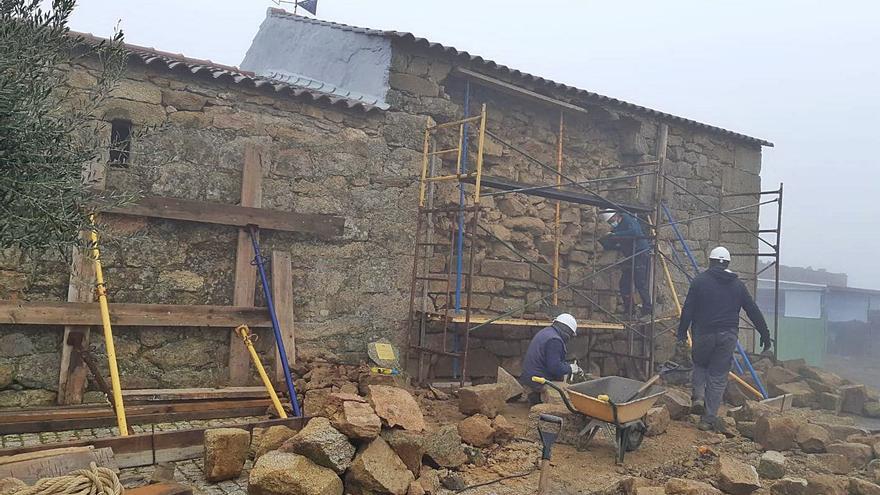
(367, 435)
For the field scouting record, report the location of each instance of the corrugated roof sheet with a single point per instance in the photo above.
(496, 67)
(176, 61)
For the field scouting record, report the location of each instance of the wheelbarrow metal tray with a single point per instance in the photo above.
(583, 396)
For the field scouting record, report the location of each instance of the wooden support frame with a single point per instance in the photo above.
(89, 416)
(245, 272)
(73, 372)
(282, 296)
(152, 448)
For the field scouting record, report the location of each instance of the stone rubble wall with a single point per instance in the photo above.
(598, 145)
(348, 291)
(191, 133)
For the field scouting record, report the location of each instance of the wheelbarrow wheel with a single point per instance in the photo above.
(633, 437)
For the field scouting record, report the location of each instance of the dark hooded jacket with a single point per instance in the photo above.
(713, 304)
(545, 356)
(630, 235)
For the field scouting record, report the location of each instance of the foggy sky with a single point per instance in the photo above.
(802, 74)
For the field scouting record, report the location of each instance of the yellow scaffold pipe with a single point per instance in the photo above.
(101, 291)
(244, 332)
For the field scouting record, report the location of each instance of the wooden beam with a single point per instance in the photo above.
(73, 372)
(147, 448)
(324, 226)
(76, 417)
(512, 89)
(282, 296)
(245, 273)
(33, 466)
(129, 314)
(163, 394)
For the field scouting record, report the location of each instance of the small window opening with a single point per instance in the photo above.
(120, 142)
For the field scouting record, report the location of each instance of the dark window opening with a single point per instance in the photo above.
(120, 142)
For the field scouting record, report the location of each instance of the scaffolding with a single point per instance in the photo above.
(445, 297)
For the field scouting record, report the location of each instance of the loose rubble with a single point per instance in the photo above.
(376, 435)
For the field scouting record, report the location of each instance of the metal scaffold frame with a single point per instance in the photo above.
(465, 227)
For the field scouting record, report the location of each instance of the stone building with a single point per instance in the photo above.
(338, 116)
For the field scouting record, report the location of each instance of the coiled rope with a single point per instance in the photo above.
(92, 481)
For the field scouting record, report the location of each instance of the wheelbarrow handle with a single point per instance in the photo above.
(544, 381)
(548, 437)
(549, 418)
(644, 387)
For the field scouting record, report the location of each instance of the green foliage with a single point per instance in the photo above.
(49, 133)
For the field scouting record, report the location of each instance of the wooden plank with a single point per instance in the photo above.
(245, 273)
(130, 451)
(324, 226)
(188, 444)
(29, 456)
(159, 394)
(282, 296)
(68, 418)
(129, 314)
(506, 87)
(516, 322)
(58, 464)
(165, 488)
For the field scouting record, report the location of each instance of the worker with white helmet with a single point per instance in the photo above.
(628, 237)
(545, 356)
(711, 310)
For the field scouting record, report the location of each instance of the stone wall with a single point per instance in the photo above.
(605, 143)
(191, 133)
(362, 166)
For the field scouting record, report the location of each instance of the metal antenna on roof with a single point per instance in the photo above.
(279, 2)
(310, 6)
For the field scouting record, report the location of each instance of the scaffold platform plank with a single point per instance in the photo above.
(520, 322)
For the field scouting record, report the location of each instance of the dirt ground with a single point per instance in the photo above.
(682, 452)
(573, 471)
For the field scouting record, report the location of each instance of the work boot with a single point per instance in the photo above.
(698, 406)
(705, 425)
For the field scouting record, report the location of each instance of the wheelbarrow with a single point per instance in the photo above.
(614, 404)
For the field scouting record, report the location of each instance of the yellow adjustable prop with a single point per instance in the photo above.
(244, 332)
(101, 291)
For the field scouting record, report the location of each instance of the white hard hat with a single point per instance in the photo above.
(720, 253)
(607, 215)
(569, 321)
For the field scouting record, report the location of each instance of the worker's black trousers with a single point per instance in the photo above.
(635, 273)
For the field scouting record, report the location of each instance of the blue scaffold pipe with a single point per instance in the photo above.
(742, 352)
(684, 245)
(459, 241)
(282, 353)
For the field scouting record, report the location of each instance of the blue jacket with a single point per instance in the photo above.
(545, 357)
(630, 230)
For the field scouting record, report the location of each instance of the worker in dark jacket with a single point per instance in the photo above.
(712, 310)
(545, 356)
(628, 238)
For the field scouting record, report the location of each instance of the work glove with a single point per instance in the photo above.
(575, 369)
(766, 342)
